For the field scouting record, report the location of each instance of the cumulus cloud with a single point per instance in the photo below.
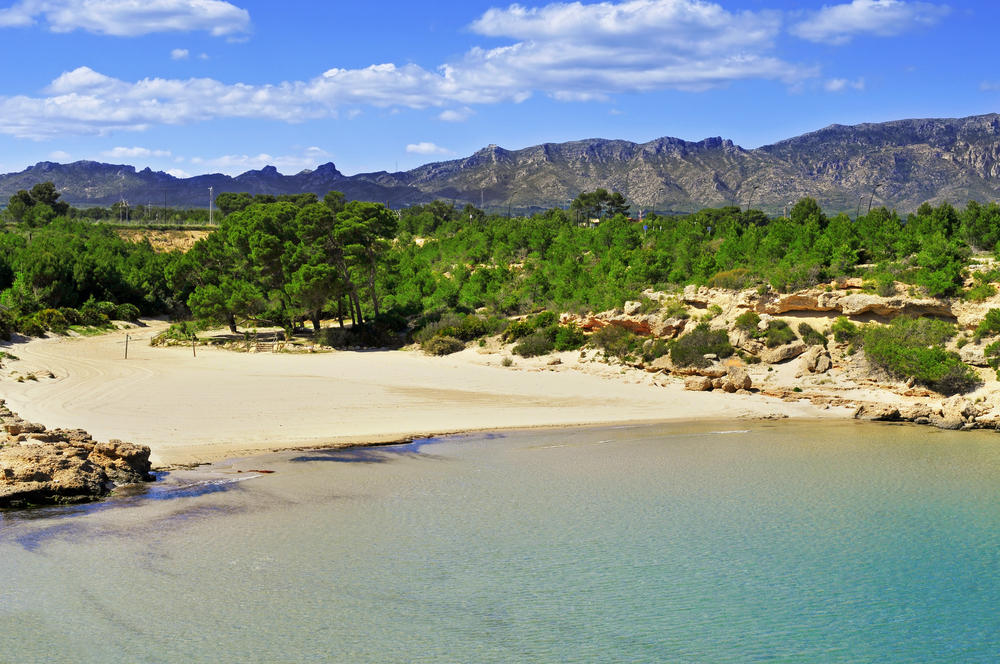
(234, 164)
(841, 84)
(569, 51)
(129, 18)
(456, 114)
(838, 24)
(60, 155)
(132, 153)
(177, 173)
(180, 54)
(426, 148)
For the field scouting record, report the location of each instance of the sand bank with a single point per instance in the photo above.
(222, 404)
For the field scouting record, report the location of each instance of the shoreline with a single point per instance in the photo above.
(223, 405)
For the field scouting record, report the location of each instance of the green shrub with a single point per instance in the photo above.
(569, 337)
(747, 321)
(989, 326)
(979, 292)
(29, 326)
(689, 350)
(843, 330)
(518, 329)
(736, 279)
(654, 350)
(71, 315)
(778, 333)
(91, 314)
(911, 347)
(536, 343)
(442, 345)
(675, 309)
(52, 319)
(616, 341)
(127, 311)
(810, 336)
(107, 308)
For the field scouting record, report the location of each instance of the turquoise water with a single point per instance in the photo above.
(731, 542)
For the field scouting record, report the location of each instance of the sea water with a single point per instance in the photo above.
(708, 542)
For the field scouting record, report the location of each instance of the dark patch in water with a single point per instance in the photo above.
(375, 454)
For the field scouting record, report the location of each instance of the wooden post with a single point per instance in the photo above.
(126, 346)
(194, 351)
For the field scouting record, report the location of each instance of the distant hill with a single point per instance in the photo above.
(905, 162)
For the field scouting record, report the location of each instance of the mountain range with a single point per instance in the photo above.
(899, 164)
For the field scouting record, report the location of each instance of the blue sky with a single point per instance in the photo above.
(197, 86)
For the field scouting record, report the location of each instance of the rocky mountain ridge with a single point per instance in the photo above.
(900, 164)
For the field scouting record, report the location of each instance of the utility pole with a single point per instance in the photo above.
(210, 206)
(872, 197)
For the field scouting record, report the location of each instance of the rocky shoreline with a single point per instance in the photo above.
(40, 466)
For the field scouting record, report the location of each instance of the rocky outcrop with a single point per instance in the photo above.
(783, 353)
(39, 466)
(816, 360)
(853, 304)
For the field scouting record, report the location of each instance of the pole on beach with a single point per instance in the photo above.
(194, 351)
(126, 346)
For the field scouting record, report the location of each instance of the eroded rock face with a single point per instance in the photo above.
(853, 304)
(39, 467)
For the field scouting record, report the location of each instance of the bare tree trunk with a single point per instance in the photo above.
(231, 319)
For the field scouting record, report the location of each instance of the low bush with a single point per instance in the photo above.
(736, 279)
(91, 314)
(126, 311)
(615, 341)
(979, 292)
(657, 348)
(442, 345)
(465, 327)
(690, 350)
(989, 326)
(810, 336)
(747, 321)
(911, 348)
(674, 308)
(843, 330)
(52, 319)
(71, 315)
(536, 343)
(778, 333)
(569, 337)
(29, 326)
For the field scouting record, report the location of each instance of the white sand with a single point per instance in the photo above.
(222, 404)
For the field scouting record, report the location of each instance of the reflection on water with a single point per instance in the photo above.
(715, 542)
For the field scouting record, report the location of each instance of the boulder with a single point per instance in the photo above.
(698, 383)
(736, 379)
(632, 308)
(973, 354)
(878, 412)
(816, 360)
(783, 353)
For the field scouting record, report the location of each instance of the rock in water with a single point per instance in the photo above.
(59, 466)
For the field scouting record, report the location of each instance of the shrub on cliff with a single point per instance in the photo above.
(989, 326)
(747, 321)
(843, 330)
(912, 348)
(810, 336)
(690, 350)
(778, 333)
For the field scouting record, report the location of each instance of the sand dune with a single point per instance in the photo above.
(222, 403)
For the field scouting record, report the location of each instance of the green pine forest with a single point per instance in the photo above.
(294, 261)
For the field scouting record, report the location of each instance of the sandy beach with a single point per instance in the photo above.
(222, 404)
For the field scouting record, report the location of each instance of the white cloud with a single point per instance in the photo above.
(60, 155)
(838, 24)
(456, 114)
(572, 52)
(132, 153)
(426, 148)
(989, 86)
(129, 18)
(180, 54)
(841, 84)
(177, 173)
(234, 164)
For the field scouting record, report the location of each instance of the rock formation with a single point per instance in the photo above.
(40, 466)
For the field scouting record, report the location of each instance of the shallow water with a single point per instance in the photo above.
(731, 542)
